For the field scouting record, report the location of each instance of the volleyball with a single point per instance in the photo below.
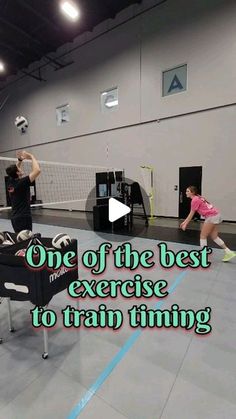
(24, 235)
(21, 123)
(61, 240)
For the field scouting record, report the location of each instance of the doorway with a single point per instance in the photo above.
(188, 176)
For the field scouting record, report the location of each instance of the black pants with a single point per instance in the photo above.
(22, 223)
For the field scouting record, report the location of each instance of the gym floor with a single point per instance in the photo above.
(130, 373)
(161, 228)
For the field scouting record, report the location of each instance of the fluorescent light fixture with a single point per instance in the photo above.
(2, 67)
(70, 9)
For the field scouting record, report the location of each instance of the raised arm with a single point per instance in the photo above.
(35, 171)
(20, 160)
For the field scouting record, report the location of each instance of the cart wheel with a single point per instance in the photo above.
(45, 355)
(1, 340)
(12, 330)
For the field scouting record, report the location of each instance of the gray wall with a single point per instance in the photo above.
(132, 57)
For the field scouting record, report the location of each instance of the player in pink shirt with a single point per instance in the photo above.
(212, 219)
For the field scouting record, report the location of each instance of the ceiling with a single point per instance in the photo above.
(34, 29)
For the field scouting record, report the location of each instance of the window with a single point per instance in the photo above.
(109, 100)
(62, 114)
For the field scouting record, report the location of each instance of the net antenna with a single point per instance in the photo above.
(60, 185)
(148, 181)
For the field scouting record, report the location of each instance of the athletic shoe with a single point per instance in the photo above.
(228, 256)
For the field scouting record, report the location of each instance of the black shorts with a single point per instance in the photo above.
(22, 223)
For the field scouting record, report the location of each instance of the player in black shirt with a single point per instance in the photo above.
(19, 191)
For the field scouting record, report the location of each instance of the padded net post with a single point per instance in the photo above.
(148, 181)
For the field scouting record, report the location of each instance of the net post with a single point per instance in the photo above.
(150, 192)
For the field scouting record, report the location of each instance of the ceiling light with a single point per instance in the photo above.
(70, 9)
(2, 67)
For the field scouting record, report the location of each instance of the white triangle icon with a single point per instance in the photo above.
(117, 210)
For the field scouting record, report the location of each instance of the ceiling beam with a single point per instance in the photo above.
(110, 8)
(15, 50)
(39, 77)
(21, 31)
(41, 52)
(39, 15)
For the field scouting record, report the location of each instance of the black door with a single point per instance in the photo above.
(188, 176)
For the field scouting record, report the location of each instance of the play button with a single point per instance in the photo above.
(117, 210)
(109, 216)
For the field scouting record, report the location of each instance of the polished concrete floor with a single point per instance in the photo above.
(149, 373)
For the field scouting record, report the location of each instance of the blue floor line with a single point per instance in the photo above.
(117, 358)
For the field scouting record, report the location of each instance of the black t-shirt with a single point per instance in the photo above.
(19, 192)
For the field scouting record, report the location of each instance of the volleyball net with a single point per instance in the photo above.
(60, 185)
